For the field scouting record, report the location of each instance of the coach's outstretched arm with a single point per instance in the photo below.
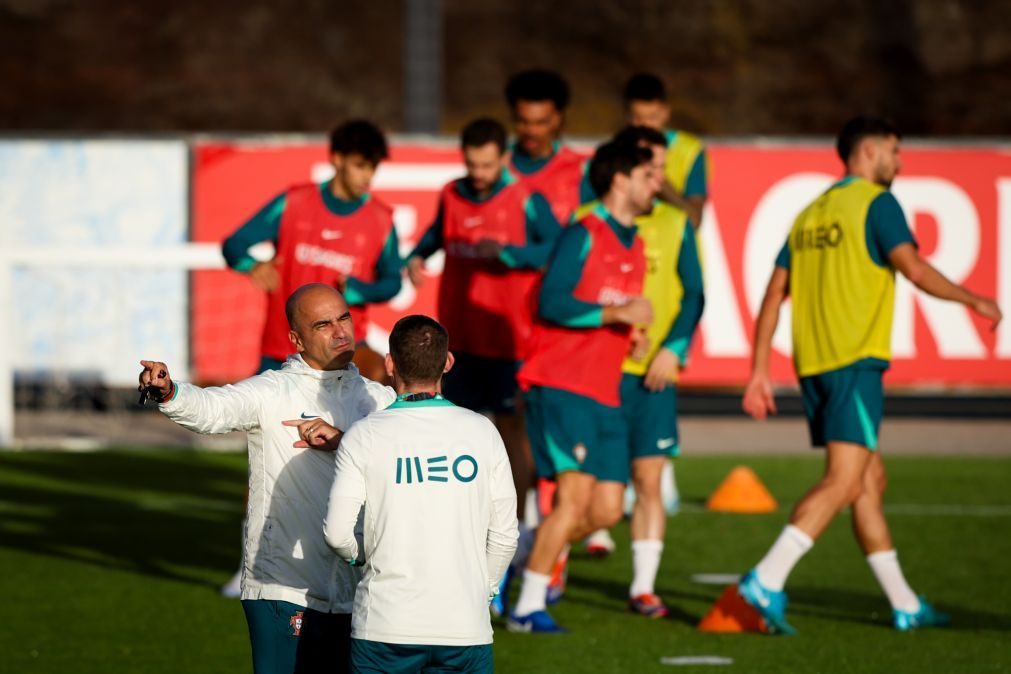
(758, 399)
(906, 259)
(217, 409)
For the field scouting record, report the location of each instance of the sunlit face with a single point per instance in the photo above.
(885, 159)
(323, 331)
(537, 125)
(656, 166)
(641, 189)
(484, 166)
(353, 174)
(654, 114)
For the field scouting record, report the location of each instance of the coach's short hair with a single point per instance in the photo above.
(858, 128)
(418, 346)
(482, 131)
(360, 137)
(639, 135)
(644, 87)
(538, 85)
(613, 158)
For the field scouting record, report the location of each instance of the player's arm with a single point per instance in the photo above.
(216, 409)
(387, 283)
(693, 199)
(758, 398)
(542, 232)
(503, 533)
(341, 527)
(889, 238)
(557, 302)
(263, 226)
(431, 241)
(673, 353)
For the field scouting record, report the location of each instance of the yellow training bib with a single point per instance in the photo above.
(842, 300)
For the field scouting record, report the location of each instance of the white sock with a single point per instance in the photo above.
(645, 562)
(523, 546)
(885, 566)
(533, 594)
(784, 554)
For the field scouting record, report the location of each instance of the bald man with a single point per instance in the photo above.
(296, 594)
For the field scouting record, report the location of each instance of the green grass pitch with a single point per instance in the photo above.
(111, 562)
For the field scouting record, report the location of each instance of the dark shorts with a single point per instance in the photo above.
(652, 418)
(844, 405)
(572, 432)
(289, 638)
(482, 384)
(376, 657)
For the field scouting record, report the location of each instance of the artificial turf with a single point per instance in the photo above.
(111, 562)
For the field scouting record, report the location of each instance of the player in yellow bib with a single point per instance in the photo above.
(838, 266)
(686, 166)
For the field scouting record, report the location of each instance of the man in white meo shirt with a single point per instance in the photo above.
(439, 523)
(296, 594)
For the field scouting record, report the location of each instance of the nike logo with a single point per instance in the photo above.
(331, 234)
(627, 267)
(309, 416)
(472, 222)
(664, 443)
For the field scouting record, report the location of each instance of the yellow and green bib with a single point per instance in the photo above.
(842, 300)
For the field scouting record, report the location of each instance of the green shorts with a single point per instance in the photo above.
(482, 384)
(287, 638)
(845, 405)
(376, 657)
(652, 418)
(572, 432)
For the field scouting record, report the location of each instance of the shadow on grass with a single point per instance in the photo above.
(612, 591)
(860, 607)
(170, 518)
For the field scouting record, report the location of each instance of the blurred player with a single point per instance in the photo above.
(497, 236)
(335, 233)
(838, 266)
(673, 285)
(588, 303)
(537, 101)
(296, 598)
(440, 525)
(687, 166)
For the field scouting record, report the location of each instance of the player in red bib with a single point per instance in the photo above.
(497, 236)
(587, 306)
(537, 101)
(335, 233)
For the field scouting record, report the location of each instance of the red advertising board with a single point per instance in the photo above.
(958, 202)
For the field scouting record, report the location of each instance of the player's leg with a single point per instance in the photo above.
(870, 526)
(572, 501)
(828, 403)
(274, 633)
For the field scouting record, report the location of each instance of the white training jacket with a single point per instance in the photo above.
(286, 557)
(440, 522)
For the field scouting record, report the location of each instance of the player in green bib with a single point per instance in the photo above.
(838, 267)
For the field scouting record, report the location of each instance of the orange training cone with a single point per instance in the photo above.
(741, 492)
(731, 613)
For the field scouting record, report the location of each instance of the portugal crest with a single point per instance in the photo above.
(296, 623)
